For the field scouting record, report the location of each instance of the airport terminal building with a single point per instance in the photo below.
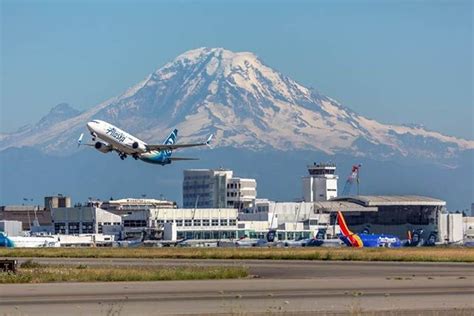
(184, 223)
(288, 220)
(85, 220)
(217, 205)
(379, 214)
(217, 188)
(396, 214)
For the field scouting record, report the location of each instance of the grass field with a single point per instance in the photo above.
(32, 272)
(428, 254)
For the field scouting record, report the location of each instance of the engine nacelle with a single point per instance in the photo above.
(139, 148)
(103, 147)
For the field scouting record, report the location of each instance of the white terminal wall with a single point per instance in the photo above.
(11, 228)
(153, 217)
(84, 214)
(241, 193)
(205, 187)
(450, 228)
(468, 227)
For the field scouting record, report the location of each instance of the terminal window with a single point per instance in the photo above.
(87, 228)
(73, 228)
(59, 228)
(132, 223)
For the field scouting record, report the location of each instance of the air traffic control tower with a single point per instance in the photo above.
(321, 184)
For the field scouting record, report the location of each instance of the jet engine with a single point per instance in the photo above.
(139, 148)
(103, 147)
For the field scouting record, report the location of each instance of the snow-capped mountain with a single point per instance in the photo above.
(246, 104)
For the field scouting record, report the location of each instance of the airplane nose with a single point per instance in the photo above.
(89, 126)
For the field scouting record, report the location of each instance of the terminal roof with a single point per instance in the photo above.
(388, 200)
(343, 206)
(19, 208)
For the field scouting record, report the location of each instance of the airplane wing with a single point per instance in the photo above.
(176, 146)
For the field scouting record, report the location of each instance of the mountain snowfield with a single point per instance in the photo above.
(246, 104)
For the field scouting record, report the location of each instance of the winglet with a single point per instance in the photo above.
(208, 141)
(79, 141)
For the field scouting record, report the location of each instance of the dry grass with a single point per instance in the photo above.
(433, 254)
(61, 273)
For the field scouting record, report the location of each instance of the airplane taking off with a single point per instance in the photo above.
(112, 138)
(364, 239)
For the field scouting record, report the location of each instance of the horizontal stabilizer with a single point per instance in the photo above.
(182, 158)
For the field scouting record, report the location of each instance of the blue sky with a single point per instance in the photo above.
(394, 61)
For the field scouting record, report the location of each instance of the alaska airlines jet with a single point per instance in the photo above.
(112, 138)
(28, 241)
(363, 239)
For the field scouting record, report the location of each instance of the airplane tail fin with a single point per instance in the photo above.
(170, 140)
(321, 234)
(5, 241)
(348, 236)
(341, 221)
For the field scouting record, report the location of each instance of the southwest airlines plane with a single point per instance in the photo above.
(112, 138)
(363, 239)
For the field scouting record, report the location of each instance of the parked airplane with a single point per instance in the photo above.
(315, 241)
(415, 238)
(28, 241)
(112, 138)
(245, 241)
(364, 239)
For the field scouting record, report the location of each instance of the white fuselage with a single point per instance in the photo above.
(35, 241)
(119, 139)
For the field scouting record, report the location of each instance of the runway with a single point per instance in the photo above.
(288, 287)
(293, 269)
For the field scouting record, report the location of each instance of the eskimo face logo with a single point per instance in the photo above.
(111, 131)
(170, 141)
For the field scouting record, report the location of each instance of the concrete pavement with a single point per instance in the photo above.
(288, 287)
